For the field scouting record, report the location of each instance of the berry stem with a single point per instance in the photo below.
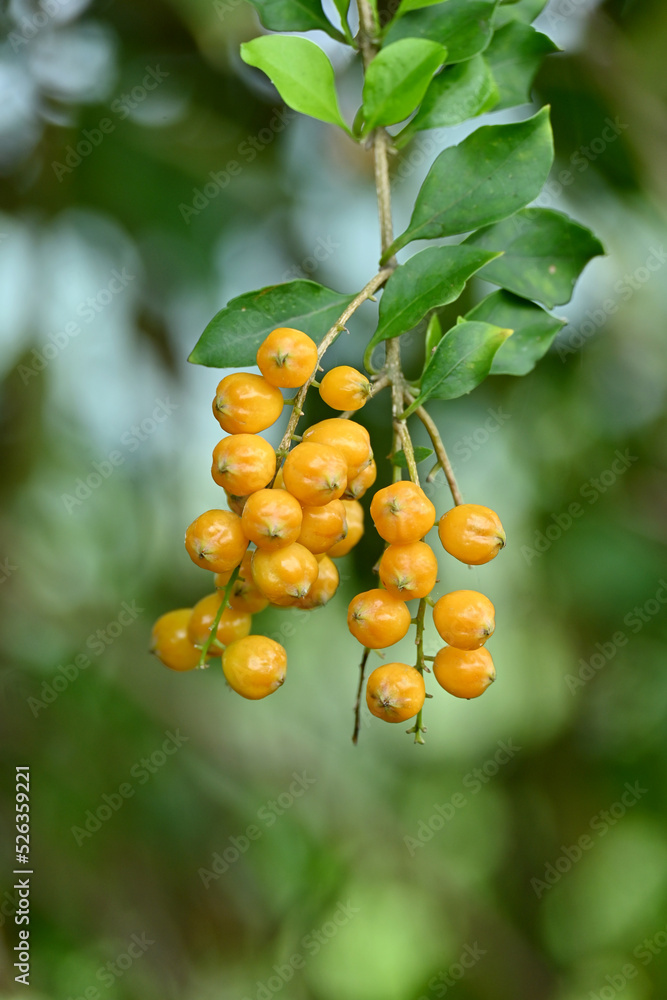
(357, 704)
(438, 447)
(420, 665)
(372, 286)
(216, 621)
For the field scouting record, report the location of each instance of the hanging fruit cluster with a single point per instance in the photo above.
(292, 513)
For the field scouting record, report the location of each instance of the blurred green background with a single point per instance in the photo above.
(386, 871)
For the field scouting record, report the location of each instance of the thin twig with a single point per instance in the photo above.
(438, 447)
(357, 706)
(408, 450)
(376, 282)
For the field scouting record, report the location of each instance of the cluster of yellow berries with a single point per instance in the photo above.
(299, 517)
(302, 513)
(408, 569)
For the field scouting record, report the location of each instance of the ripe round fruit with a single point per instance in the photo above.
(246, 404)
(377, 619)
(351, 439)
(402, 513)
(465, 673)
(354, 515)
(245, 595)
(233, 624)
(409, 571)
(395, 692)
(324, 587)
(323, 527)
(362, 481)
(215, 540)
(345, 388)
(315, 474)
(464, 619)
(170, 641)
(284, 575)
(255, 666)
(243, 463)
(287, 358)
(471, 533)
(272, 518)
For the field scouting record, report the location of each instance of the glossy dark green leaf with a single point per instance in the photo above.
(293, 15)
(301, 73)
(397, 79)
(421, 454)
(465, 27)
(460, 362)
(534, 331)
(430, 279)
(544, 254)
(458, 93)
(490, 175)
(232, 337)
(514, 56)
(523, 10)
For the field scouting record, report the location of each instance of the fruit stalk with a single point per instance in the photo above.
(438, 447)
(226, 594)
(366, 292)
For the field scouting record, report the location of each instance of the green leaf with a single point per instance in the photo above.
(421, 454)
(524, 10)
(544, 254)
(293, 15)
(458, 93)
(397, 79)
(430, 279)
(490, 175)
(343, 6)
(461, 361)
(514, 55)
(534, 331)
(465, 27)
(300, 72)
(234, 334)
(433, 336)
(408, 5)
